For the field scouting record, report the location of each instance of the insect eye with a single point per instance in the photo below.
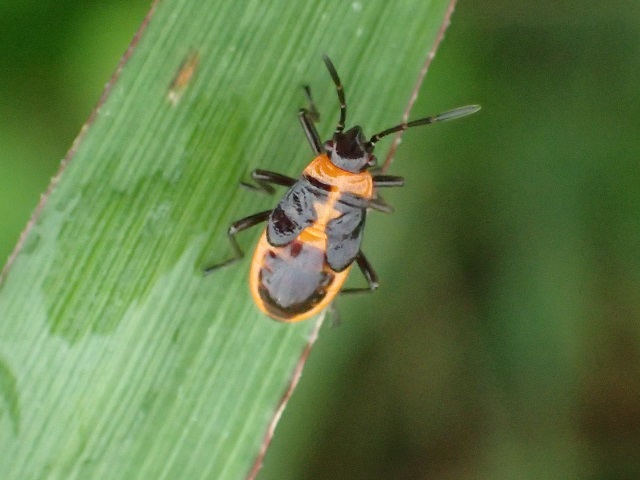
(373, 161)
(328, 145)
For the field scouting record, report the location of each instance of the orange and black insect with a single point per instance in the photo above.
(313, 235)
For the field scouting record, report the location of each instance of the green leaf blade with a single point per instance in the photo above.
(119, 358)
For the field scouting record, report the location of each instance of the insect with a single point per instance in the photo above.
(313, 235)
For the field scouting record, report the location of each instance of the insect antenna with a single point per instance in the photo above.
(339, 90)
(442, 117)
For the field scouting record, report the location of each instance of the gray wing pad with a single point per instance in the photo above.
(294, 213)
(344, 236)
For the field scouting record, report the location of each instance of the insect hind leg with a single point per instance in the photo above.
(369, 274)
(235, 228)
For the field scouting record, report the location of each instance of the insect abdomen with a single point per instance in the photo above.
(293, 282)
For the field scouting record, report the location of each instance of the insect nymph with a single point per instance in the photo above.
(313, 235)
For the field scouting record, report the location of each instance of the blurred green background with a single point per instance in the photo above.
(504, 340)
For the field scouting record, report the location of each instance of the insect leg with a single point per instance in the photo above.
(382, 181)
(264, 178)
(380, 205)
(308, 117)
(234, 229)
(312, 111)
(369, 274)
(387, 181)
(359, 202)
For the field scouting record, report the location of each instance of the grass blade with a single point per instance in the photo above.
(117, 358)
